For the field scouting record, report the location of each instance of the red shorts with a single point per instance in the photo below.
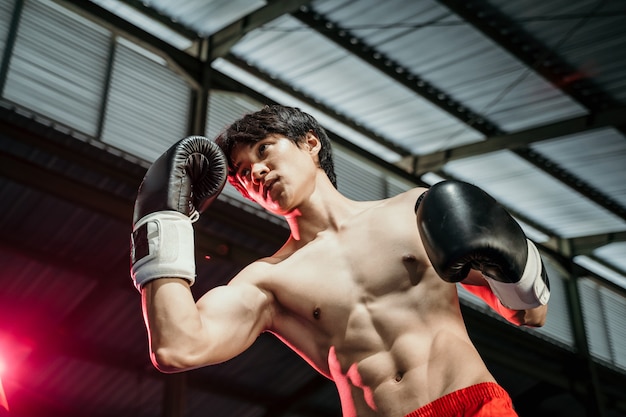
(487, 399)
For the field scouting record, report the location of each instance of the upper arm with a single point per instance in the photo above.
(233, 316)
(185, 334)
(476, 284)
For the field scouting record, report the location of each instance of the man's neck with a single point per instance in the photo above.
(326, 210)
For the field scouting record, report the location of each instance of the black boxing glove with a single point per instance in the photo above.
(177, 187)
(464, 228)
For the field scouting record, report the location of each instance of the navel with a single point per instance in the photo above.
(399, 376)
(316, 313)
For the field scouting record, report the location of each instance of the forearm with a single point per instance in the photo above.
(162, 248)
(174, 324)
(533, 317)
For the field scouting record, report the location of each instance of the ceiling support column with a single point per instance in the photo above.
(584, 376)
(174, 393)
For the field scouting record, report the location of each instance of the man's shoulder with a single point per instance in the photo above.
(254, 272)
(405, 197)
(260, 270)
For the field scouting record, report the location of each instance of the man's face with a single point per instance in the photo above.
(276, 173)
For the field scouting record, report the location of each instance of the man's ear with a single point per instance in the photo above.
(314, 145)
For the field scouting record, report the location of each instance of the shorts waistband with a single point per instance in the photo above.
(450, 404)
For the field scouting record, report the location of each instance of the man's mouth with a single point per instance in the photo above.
(267, 188)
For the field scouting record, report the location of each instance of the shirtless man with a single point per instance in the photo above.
(357, 289)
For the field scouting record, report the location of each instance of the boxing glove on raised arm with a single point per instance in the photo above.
(177, 187)
(464, 228)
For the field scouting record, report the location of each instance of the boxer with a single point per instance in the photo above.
(362, 290)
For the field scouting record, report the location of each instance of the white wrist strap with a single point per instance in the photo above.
(530, 291)
(162, 245)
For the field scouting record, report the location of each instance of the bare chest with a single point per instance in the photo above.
(344, 275)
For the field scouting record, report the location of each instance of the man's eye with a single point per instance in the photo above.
(262, 148)
(243, 172)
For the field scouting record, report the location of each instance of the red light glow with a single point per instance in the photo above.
(3, 398)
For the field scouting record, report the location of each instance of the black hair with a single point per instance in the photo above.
(290, 122)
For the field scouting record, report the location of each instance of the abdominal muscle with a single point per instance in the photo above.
(401, 372)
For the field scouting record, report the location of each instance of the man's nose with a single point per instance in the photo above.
(259, 170)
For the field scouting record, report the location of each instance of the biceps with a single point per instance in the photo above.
(233, 317)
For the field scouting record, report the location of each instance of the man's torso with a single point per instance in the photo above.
(364, 307)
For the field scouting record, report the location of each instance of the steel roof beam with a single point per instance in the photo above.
(585, 245)
(609, 118)
(222, 41)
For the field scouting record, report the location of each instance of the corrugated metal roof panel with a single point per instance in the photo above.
(6, 10)
(597, 157)
(543, 199)
(148, 105)
(45, 69)
(429, 41)
(613, 254)
(603, 313)
(615, 310)
(279, 96)
(348, 85)
(205, 17)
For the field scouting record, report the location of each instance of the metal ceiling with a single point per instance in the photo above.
(526, 99)
(434, 82)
